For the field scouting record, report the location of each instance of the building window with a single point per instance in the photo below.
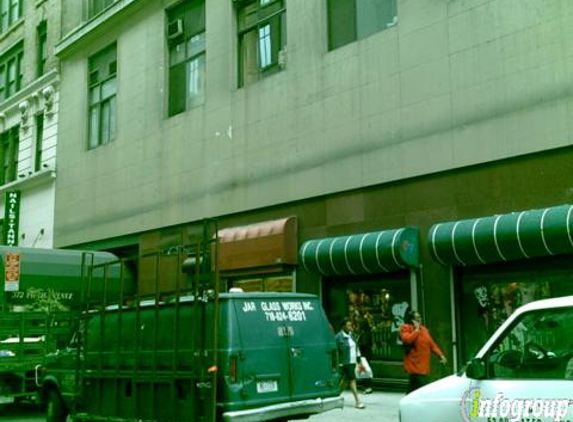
(186, 41)
(11, 72)
(9, 154)
(351, 20)
(102, 97)
(262, 38)
(42, 39)
(39, 141)
(10, 12)
(96, 6)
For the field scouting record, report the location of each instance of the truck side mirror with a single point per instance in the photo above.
(476, 369)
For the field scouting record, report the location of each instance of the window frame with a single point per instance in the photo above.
(95, 7)
(353, 24)
(9, 154)
(186, 59)
(10, 13)
(39, 144)
(105, 104)
(10, 84)
(42, 47)
(272, 15)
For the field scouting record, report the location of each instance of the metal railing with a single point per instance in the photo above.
(139, 364)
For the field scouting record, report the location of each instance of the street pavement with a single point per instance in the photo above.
(380, 407)
(25, 412)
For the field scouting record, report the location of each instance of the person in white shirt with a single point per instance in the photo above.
(348, 356)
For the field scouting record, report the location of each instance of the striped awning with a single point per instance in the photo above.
(265, 244)
(366, 253)
(505, 237)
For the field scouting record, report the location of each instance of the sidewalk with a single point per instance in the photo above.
(380, 407)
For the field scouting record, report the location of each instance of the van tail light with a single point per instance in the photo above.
(233, 369)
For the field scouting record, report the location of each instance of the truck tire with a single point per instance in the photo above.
(55, 408)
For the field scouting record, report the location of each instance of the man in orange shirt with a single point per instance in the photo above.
(417, 360)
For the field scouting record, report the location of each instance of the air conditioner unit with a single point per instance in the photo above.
(175, 29)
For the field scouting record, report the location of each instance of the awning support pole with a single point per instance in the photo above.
(413, 290)
(453, 321)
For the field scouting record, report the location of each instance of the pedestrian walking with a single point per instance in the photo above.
(348, 355)
(419, 348)
(365, 347)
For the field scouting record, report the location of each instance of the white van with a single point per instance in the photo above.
(524, 373)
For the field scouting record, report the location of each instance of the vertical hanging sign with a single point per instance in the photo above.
(12, 276)
(12, 218)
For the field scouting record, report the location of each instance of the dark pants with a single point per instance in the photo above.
(416, 381)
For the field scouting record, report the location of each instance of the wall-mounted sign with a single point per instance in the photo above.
(12, 218)
(12, 276)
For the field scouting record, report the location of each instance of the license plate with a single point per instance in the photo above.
(267, 386)
(5, 400)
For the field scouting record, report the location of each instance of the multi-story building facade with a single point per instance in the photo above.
(29, 83)
(344, 133)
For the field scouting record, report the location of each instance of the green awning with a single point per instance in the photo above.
(367, 253)
(505, 237)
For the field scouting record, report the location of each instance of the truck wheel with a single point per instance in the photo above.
(55, 409)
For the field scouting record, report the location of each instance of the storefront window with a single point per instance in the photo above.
(489, 295)
(282, 283)
(377, 309)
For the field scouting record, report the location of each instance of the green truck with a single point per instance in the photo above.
(40, 301)
(196, 356)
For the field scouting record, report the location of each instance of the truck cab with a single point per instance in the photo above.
(39, 301)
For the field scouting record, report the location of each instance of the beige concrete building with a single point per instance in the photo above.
(29, 85)
(354, 118)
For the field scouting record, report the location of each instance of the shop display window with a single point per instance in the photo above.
(489, 295)
(284, 283)
(377, 309)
